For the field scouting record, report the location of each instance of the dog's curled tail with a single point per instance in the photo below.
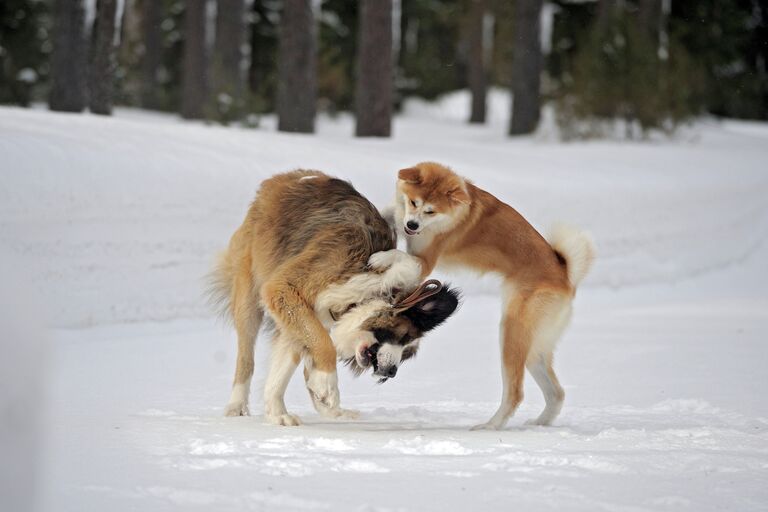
(220, 284)
(576, 247)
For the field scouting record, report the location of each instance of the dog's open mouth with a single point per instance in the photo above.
(366, 358)
(375, 363)
(410, 232)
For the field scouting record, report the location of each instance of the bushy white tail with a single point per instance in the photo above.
(576, 247)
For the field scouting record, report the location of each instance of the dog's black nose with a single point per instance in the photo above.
(390, 372)
(413, 226)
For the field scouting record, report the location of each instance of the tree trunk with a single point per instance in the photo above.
(373, 94)
(650, 15)
(606, 9)
(262, 71)
(151, 19)
(128, 58)
(102, 69)
(193, 86)
(68, 62)
(477, 74)
(297, 68)
(227, 73)
(526, 67)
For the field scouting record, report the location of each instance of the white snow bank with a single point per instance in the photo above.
(119, 218)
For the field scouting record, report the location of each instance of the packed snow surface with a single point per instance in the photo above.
(112, 224)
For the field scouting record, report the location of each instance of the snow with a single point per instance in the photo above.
(112, 223)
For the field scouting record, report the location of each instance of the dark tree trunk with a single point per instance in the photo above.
(227, 74)
(68, 62)
(650, 15)
(193, 86)
(151, 19)
(606, 9)
(128, 58)
(526, 67)
(254, 77)
(477, 73)
(373, 94)
(262, 70)
(297, 68)
(102, 69)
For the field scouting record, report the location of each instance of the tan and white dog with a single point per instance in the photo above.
(449, 221)
(316, 256)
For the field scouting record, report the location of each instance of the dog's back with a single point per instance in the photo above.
(293, 213)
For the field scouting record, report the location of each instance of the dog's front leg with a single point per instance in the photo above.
(283, 362)
(298, 321)
(398, 269)
(323, 409)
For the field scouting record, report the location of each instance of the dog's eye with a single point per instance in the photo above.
(413, 203)
(430, 212)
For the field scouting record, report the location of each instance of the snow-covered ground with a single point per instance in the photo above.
(112, 224)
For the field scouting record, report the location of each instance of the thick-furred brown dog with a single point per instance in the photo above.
(451, 222)
(317, 257)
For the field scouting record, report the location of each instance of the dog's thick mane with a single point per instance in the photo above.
(322, 201)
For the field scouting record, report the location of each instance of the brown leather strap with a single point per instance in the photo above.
(424, 291)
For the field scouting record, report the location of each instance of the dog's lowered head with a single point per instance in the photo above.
(382, 334)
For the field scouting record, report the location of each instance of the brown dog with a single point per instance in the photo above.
(451, 222)
(317, 257)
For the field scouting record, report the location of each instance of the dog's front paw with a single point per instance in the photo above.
(485, 426)
(347, 414)
(541, 421)
(494, 423)
(338, 413)
(324, 388)
(237, 409)
(285, 420)
(382, 260)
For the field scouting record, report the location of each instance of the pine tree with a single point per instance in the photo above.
(102, 66)
(227, 79)
(262, 69)
(373, 97)
(68, 62)
(297, 68)
(151, 20)
(477, 74)
(194, 79)
(128, 83)
(526, 67)
(23, 62)
(429, 57)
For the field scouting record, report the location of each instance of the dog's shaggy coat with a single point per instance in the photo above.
(312, 251)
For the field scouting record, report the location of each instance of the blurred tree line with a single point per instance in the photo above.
(648, 63)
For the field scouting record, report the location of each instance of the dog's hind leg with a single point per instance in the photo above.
(555, 316)
(531, 325)
(516, 337)
(247, 314)
(283, 362)
(544, 375)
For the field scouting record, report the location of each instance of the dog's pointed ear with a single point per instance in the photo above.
(410, 175)
(459, 195)
(434, 310)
